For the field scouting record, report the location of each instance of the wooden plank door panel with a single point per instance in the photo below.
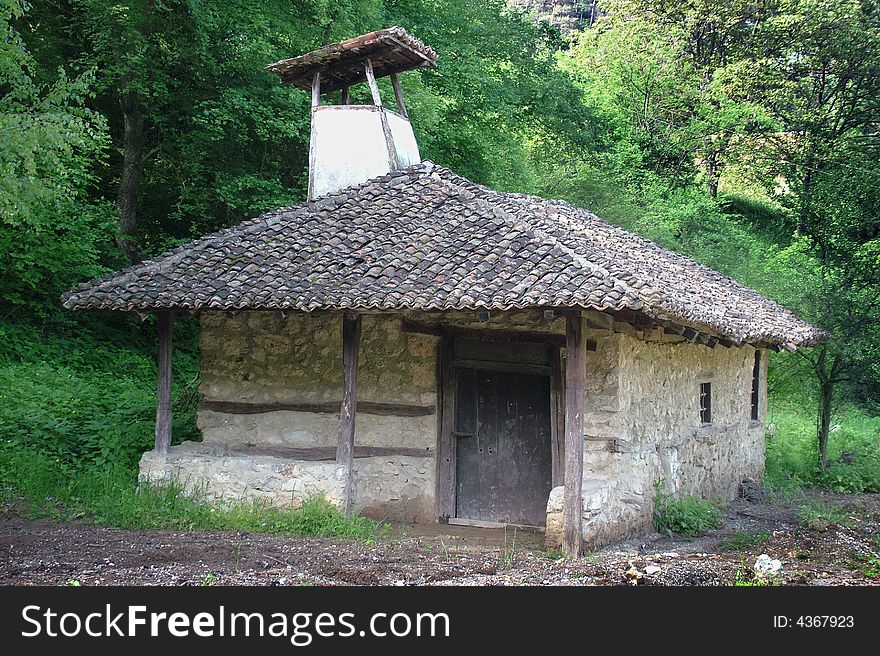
(503, 453)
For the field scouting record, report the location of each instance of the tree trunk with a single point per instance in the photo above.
(826, 402)
(805, 201)
(713, 173)
(132, 175)
(713, 176)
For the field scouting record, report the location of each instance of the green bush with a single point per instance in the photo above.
(688, 516)
(70, 396)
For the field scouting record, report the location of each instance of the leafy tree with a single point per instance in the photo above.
(817, 74)
(51, 149)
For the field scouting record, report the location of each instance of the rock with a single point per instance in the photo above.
(652, 569)
(752, 491)
(767, 568)
(634, 576)
(818, 524)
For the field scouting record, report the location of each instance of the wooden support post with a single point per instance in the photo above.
(316, 90)
(398, 94)
(445, 488)
(165, 327)
(575, 382)
(393, 162)
(557, 418)
(346, 96)
(371, 80)
(351, 338)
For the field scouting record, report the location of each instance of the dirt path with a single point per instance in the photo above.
(34, 553)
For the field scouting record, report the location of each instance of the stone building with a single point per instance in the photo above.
(568, 15)
(420, 348)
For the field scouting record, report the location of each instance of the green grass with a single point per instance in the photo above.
(747, 580)
(870, 562)
(742, 540)
(507, 557)
(831, 513)
(853, 449)
(555, 554)
(687, 516)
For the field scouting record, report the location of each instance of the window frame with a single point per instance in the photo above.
(755, 402)
(704, 397)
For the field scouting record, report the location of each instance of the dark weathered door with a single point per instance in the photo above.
(503, 460)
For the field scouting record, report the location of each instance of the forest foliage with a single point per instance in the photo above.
(742, 134)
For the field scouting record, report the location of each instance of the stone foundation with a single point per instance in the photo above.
(398, 488)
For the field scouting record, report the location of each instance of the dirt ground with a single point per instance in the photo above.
(839, 553)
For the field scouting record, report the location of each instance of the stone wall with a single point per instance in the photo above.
(262, 357)
(643, 424)
(267, 358)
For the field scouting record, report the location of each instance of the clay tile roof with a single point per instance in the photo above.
(425, 238)
(392, 50)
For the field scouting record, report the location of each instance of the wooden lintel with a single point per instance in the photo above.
(575, 385)
(329, 408)
(516, 367)
(487, 335)
(165, 329)
(351, 337)
(325, 453)
(445, 484)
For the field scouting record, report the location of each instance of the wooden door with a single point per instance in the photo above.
(503, 456)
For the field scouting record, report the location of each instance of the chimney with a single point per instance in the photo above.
(353, 143)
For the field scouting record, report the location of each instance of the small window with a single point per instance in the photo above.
(756, 385)
(706, 403)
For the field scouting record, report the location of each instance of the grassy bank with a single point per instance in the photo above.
(36, 487)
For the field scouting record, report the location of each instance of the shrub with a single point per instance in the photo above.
(688, 516)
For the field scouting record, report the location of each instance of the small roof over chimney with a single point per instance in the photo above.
(341, 65)
(353, 143)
